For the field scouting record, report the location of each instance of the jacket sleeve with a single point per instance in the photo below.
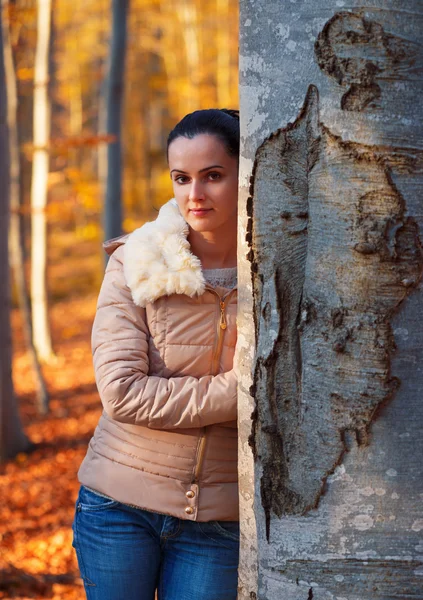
(121, 364)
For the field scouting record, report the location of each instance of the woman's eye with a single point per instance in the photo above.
(181, 179)
(214, 176)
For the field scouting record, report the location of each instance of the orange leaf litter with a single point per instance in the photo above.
(39, 489)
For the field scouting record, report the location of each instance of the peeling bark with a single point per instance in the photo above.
(325, 291)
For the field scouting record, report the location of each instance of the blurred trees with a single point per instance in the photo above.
(16, 241)
(180, 56)
(12, 438)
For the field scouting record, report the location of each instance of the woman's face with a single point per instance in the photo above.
(205, 182)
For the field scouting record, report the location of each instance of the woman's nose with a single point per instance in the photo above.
(196, 191)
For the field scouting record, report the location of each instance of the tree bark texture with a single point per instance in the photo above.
(115, 91)
(39, 185)
(332, 137)
(12, 438)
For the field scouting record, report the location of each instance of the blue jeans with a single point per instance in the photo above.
(126, 553)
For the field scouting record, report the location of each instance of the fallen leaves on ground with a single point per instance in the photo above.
(39, 489)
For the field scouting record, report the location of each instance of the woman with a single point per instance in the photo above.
(158, 505)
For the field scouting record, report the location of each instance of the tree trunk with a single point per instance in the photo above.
(187, 13)
(115, 90)
(12, 438)
(16, 242)
(171, 59)
(40, 168)
(332, 135)
(223, 74)
(76, 117)
(102, 146)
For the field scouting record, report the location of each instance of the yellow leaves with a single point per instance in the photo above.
(90, 231)
(129, 224)
(158, 81)
(83, 140)
(63, 145)
(163, 184)
(25, 74)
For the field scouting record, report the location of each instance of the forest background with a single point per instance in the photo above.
(181, 55)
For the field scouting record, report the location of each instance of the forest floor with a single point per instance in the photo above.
(39, 489)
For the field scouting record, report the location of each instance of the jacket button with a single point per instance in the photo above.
(190, 494)
(189, 510)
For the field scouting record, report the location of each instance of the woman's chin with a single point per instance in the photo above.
(201, 225)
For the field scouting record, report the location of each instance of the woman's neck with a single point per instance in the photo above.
(214, 251)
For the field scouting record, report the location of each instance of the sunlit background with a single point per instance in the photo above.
(181, 55)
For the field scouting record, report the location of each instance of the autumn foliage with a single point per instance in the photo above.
(182, 55)
(38, 489)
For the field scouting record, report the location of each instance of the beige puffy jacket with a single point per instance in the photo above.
(163, 345)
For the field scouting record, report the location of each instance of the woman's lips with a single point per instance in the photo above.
(200, 212)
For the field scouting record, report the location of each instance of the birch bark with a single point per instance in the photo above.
(16, 242)
(331, 219)
(40, 169)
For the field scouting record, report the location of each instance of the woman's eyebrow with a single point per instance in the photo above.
(211, 167)
(200, 171)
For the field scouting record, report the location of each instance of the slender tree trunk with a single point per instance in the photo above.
(76, 155)
(16, 243)
(170, 58)
(332, 135)
(223, 74)
(12, 437)
(40, 168)
(115, 91)
(187, 12)
(102, 146)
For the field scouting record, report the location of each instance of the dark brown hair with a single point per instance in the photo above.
(221, 122)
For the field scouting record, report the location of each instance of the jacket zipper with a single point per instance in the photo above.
(221, 327)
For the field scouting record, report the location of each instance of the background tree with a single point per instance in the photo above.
(223, 67)
(40, 170)
(331, 226)
(115, 88)
(12, 438)
(16, 241)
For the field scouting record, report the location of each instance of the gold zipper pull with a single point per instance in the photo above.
(222, 316)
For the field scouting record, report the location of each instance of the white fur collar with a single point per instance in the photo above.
(158, 261)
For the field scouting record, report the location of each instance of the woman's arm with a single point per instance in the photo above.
(128, 393)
